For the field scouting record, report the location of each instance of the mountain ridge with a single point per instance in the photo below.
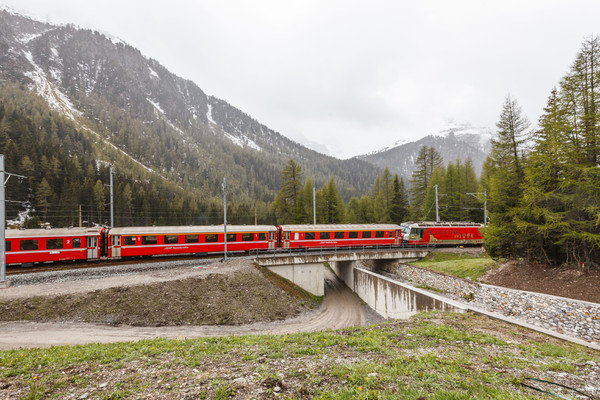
(455, 142)
(162, 121)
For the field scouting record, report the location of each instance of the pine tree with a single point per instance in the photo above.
(43, 195)
(427, 160)
(285, 203)
(330, 206)
(399, 211)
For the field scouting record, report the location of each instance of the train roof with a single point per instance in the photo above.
(433, 224)
(52, 232)
(191, 229)
(341, 227)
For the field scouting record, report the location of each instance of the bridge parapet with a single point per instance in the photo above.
(342, 255)
(305, 269)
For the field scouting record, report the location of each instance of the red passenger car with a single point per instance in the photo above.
(28, 246)
(320, 236)
(166, 240)
(442, 233)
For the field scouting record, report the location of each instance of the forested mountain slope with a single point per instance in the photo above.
(130, 112)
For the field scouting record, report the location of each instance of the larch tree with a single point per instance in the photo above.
(506, 159)
(559, 216)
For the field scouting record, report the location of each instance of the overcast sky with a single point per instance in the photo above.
(348, 77)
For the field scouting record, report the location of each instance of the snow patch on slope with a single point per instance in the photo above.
(242, 141)
(209, 114)
(156, 105)
(55, 98)
(153, 73)
(123, 152)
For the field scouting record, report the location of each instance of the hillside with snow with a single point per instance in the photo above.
(136, 112)
(454, 142)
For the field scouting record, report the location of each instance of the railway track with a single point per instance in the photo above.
(66, 266)
(20, 270)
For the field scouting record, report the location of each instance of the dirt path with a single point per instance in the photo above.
(340, 308)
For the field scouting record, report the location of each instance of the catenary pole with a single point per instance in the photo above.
(112, 201)
(437, 211)
(225, 218)
(485, 217)
(3, 282)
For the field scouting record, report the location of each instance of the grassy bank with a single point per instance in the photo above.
(431, 356)
(463, 265)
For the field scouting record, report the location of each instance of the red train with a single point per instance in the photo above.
(324, 236)
(73, 244)
(442, 233)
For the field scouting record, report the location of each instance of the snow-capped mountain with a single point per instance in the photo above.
(454, 142)
(133, 105)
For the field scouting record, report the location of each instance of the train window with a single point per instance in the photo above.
(247, 237)
(171, 239)
(128, 240)
(7, 245)
(29, 244)
(263, 236)
(76, 243)
(366, 234)
(324, 235)
(211, 238)
(149, 239)
(232, 237)
(379, 234)
(353, 235)
(338, 235)
(309, 235)
(391, 234)
(53, 244)
(192, 238)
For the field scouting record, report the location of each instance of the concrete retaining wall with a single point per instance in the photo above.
(392, 299)
(309, 277)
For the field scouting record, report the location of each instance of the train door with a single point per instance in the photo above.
(92, 247)
(116, 246)
(271, 240)
(397, 240)
(286, 239)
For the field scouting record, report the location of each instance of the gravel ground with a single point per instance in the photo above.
(176, 299)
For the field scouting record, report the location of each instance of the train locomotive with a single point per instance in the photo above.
(441, 234)
(30, 246)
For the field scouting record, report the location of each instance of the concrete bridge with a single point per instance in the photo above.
(306, 269)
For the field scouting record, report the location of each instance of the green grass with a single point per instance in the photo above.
(460, 265)
(433, 356)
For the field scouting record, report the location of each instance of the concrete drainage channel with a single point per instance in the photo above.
(567, 319)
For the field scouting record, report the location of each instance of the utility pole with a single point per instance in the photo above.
(3, 282)
(225, 218)
(476, 195)
(112, 201)
(437, 210)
